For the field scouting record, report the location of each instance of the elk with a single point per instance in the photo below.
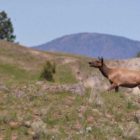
(117, 77)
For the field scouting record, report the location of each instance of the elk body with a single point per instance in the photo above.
(117, 76)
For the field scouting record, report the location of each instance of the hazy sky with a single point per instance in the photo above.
(39, 21)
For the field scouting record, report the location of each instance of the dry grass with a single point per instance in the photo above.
(28, 110)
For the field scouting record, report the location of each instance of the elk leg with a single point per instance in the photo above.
(113, 86)
(116, 89)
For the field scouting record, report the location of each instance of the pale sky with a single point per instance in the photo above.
(39, 21)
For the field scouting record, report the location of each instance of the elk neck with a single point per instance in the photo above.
(105, 70)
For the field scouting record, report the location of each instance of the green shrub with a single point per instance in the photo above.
(48, 71)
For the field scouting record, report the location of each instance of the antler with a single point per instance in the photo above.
(101, 59)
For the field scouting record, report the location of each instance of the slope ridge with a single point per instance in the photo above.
(94, 45)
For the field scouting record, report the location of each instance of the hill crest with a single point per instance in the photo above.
(94, 45)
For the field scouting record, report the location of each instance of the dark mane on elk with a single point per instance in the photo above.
(117, 76)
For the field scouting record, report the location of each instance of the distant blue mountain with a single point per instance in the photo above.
(94, 45)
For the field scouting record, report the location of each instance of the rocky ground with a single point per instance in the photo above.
(75, 106)
(42, 111)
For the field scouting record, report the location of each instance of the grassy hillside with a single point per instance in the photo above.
(31, 109)
(23, 64)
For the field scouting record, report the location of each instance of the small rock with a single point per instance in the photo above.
(27, 124)
(109, 116)
(39, 83)
(38, 126)
(136, 91)
(14, 137)
(82, 109)
(31, 132)
(81, 131)
(1, 137)
(3, 88)
(36, 137)
(137, 117)
(88, 129)
(53, 137)
(90, 119)
(131, 131)
(96, 98)
(80, 115)
(14, 124)
(77, 126)
(96, 111)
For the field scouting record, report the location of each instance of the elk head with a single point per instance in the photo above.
(97, 63)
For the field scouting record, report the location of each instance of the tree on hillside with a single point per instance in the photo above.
(6, 28)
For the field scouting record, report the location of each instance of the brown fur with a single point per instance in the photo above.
(117, 76)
